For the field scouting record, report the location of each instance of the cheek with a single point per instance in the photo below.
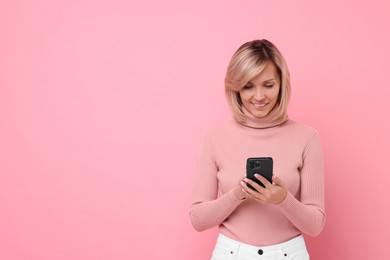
(275, 94)
(244, 96)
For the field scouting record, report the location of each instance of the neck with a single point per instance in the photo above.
(258, 123)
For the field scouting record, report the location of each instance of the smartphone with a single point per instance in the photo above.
(259, 165)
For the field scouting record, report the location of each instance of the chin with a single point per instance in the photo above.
(259, 115)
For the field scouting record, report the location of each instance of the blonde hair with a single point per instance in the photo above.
(247, 63)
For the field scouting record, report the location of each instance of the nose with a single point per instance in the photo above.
(259, 94)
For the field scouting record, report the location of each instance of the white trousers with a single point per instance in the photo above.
(227, 248)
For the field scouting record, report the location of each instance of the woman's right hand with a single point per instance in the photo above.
(240, 194)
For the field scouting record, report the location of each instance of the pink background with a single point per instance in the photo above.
(103, 105)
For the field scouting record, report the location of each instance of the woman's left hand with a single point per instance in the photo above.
(272, 193)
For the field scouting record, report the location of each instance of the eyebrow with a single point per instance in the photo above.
(265, 81)
(271, 79)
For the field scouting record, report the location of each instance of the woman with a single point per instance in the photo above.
(268, 222)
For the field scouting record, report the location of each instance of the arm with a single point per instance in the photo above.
(208, 210)
(308, 214)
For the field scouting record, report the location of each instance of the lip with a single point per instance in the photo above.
(263, 105)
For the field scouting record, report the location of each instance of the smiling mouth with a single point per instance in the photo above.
(259, 105)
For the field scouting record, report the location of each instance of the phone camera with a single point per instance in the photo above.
(251, 165)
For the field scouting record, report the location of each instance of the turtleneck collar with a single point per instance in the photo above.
(258, 123)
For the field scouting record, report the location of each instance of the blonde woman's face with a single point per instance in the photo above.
(260, 95)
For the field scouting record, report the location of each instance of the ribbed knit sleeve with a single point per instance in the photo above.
(307, 214)
(208, 210)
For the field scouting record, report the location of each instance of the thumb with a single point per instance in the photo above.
(277, 181)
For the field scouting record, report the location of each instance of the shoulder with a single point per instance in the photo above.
(310, 138)
(301, 133)
(301, 128)
(220, 132)
(221, 128)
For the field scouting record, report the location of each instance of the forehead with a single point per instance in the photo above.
(269, 73)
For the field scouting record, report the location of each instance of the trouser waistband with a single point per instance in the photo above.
(288, 248)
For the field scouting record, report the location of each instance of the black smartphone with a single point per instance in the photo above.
(259, 165)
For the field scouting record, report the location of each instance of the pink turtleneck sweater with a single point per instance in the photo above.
(298, 161)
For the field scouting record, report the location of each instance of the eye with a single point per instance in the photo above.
(247, 86)
(269, 85)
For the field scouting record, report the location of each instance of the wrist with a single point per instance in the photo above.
(284, 195)
(239, 194)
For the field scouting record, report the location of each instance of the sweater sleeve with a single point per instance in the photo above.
(308, 214)
(208, 209)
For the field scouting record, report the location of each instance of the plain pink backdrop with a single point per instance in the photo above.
(103, 105)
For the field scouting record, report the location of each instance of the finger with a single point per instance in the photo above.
(253, 184)
(249, 192)
(263, 180)
(240, 180)
(253, 193)
(277, 181)
(246, 188)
